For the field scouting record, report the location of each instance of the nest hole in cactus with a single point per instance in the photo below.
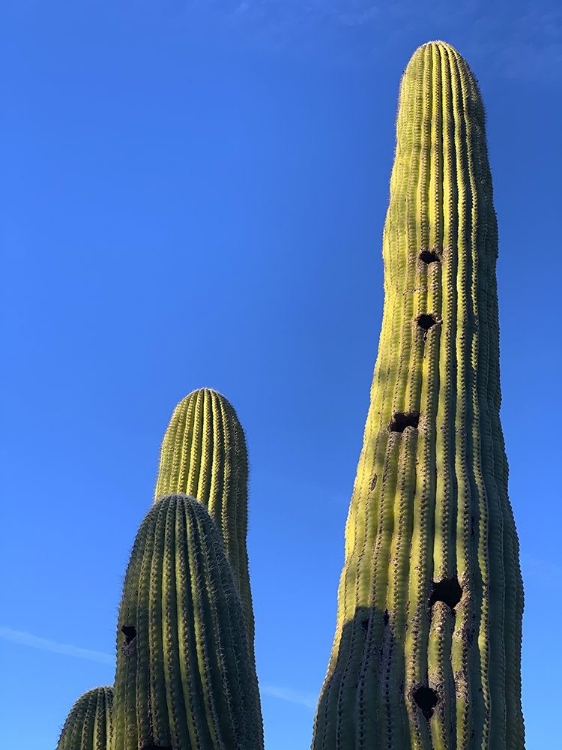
(425, 321)
(448, 590)
(429, 256)
(130, 633)
(426, 699)
(402, 419)
(152, 746)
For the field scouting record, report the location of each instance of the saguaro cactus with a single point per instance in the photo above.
(204, 455)
(428, 639)
(88, 725)
(184, 676)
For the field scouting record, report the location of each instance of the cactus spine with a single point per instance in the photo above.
(204, 455)
(184, 676)
(88, 725)
(427, 647)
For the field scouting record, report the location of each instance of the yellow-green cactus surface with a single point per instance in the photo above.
(204, 455)
(427, 649)
(88, 725)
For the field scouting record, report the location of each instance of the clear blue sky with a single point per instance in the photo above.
(193, 194)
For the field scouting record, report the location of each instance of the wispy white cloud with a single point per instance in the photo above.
(292, 696)
(45, 644)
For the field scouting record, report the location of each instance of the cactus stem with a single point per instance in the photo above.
(431, 548)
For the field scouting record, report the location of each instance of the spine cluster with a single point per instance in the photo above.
(427, 647)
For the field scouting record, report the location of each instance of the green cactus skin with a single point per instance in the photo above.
(204, 455)
(430, 504)
(184, 679)
(88, 725)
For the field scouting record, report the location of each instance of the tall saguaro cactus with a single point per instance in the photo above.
(88, 725)
(428, 638)
(184, 678)
(204, 455)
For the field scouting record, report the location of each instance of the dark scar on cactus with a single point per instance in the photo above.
(448, 590)
(425, 322)
(130, 633)
(401, 420)
(426, 699)
(429, 256)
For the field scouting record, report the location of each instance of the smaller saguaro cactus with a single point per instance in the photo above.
(204, 455)
(88, 725)
(184, 677)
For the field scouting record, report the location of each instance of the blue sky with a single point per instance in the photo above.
(193, 194)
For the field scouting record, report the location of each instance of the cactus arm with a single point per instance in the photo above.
(186, 678)
(89, 723)
(204, 455)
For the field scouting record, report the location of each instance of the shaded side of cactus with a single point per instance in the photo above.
(204, 455)
(88, 725)
(184, 678)
(427, 649)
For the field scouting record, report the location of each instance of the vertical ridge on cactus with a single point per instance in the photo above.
(204, 455)
(88, 725)
(427, 648)
(185, 677)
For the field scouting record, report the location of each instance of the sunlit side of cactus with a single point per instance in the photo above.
(427, 648)
(204, 455)
(88, 725)
(185, 678)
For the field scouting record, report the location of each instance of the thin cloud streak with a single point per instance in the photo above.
(292, 696)
(45, 644)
